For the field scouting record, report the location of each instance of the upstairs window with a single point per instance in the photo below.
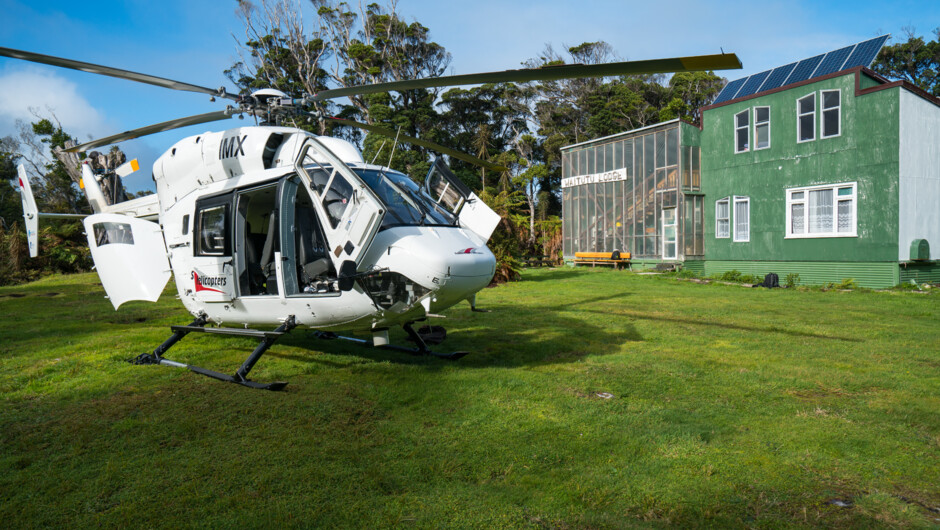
(741, 131)
(806, 118)
(822, 211)
(831, 113)
(761, 127)
(722, 218)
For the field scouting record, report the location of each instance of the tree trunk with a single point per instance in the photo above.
(530, 198)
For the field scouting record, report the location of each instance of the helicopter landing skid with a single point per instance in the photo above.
(420, 349)
(268, 338)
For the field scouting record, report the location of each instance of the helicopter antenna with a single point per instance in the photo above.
(394, 145)
(378, 152)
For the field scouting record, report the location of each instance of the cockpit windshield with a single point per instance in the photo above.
(407, 204)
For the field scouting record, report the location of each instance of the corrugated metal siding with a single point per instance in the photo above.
(697, 266)
(641, 265)
(872, 274)
(921, 273)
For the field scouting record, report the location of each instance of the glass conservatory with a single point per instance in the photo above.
(637, 192)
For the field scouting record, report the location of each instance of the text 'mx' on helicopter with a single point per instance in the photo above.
(275, 226)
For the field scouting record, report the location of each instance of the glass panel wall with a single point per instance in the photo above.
(624, 183)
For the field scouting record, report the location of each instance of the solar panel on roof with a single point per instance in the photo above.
(752, 84)
(865, 52)
(730, 90)
(777, 77)
(861, 54)
(804, 69)
(833, 61)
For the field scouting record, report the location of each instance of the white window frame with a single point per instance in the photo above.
(675, 225)
(756, 124)
(747, 130)
(727, 202)
(836, 198)
(823, 110)
(734, 219)
(812, 114)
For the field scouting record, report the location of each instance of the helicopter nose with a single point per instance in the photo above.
(446, 261)
(469, 269)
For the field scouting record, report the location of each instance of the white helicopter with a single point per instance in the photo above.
(275, 226)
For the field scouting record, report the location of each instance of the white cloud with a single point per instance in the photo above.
(25, 88)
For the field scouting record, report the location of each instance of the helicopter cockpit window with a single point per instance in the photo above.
(337, 196)
(407, 205)
(333, 187)
(113, 233)
(212, 231)
(443, 192)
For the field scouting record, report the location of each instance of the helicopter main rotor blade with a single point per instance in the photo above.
(724, 61)
(152, 129)
(114, 72)
(423, 143)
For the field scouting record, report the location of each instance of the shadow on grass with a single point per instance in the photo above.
(552, 274)
(515, 334)
(506, 337)
(727, 325)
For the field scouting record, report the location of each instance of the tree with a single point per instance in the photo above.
(281, 55)
(915, 61)
(689, 92)
(41, 145)
(11, 211)
(347, 47)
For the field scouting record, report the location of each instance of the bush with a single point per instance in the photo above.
(505, 241)
(792, 279)
(846, 283)
(62, 249)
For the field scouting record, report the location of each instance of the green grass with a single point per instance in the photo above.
(730, 407)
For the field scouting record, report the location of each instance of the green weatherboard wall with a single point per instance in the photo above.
(866, 152)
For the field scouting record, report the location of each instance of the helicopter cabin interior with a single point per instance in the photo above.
(271, 218)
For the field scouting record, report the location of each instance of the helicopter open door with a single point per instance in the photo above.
(129, 255)
(350, 210)
(451, 193)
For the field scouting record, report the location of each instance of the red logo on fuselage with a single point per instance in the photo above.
(200, 287)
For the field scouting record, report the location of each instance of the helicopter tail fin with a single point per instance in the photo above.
(30, 212)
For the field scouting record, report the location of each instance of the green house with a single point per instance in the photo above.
(820, 168)
(831, 178)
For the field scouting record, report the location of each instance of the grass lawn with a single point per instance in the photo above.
(590, 399)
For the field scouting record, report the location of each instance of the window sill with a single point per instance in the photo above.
(819, 236)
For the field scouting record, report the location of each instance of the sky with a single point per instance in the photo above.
(196, 40)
